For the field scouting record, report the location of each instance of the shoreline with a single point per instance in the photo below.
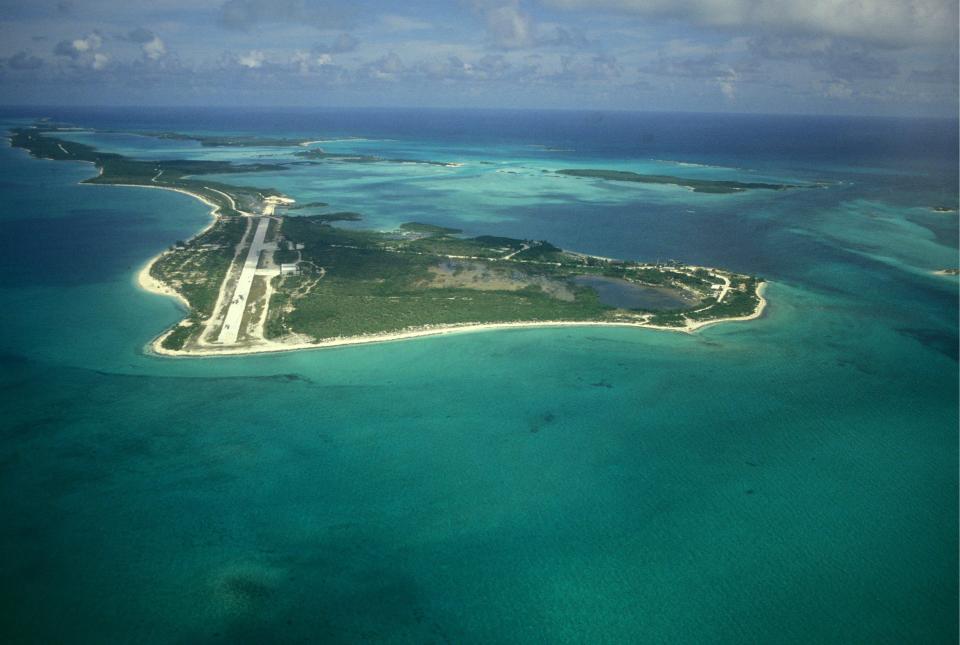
(694, 326)
(144, 280)
(156, 348)
(148, 283)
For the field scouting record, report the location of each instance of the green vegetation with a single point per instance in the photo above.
(308, 205)
(541, 251)
(505, 244)
(697, 185)
(741, 300)
(374, 282)
(179, 335)
(354, 282)
(418, 227)
(345, 216)
(318, 154)
(339, 307)
(363, 282)
(198, 268)
(668, 319)
(227, 141)
(285, 255)
(448, 245)
(177, 174)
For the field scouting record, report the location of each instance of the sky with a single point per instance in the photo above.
(873, 57)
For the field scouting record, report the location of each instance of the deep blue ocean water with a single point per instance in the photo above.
(793, 479)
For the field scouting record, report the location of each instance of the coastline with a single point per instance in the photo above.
(694, 326)
(148, 283)
(144, 280)
(155, 347)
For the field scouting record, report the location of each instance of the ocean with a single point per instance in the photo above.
(790, 479)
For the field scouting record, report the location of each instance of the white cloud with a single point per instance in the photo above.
(386, 68)
(507, 26)
(588, 67)
(90, 43)
(83, 50)
(890, 23)
(728, 84)
(154, 49)
(252, 59)
(307, 62)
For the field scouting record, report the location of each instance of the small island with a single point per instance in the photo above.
(264, 276)
(720, 187)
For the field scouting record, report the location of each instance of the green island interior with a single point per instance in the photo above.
(314, 281)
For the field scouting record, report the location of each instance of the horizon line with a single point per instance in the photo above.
(15, 106)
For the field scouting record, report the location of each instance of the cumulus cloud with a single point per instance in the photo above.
(723, 70)
(65, 48)
(387, 67)
(597, 67)
(154, 49)
(838, 58)
(446, 68)
(139, 35)
(79, 46)
(390, 64)
(23, 61)
(252, 59)
(728, 84)
(891, 23)
(704, 66)
(151, 45)
(84, 51)
(90, 43)
(248, 14)
(307, 62)
(493, 66)
(507, 26)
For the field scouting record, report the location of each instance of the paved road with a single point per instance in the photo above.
(231, 324)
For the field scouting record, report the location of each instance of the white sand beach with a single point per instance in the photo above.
(156, 347)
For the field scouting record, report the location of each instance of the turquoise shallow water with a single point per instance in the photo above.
(789, 480)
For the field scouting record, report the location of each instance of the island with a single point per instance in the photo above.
(696, 185)
(267, 276)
